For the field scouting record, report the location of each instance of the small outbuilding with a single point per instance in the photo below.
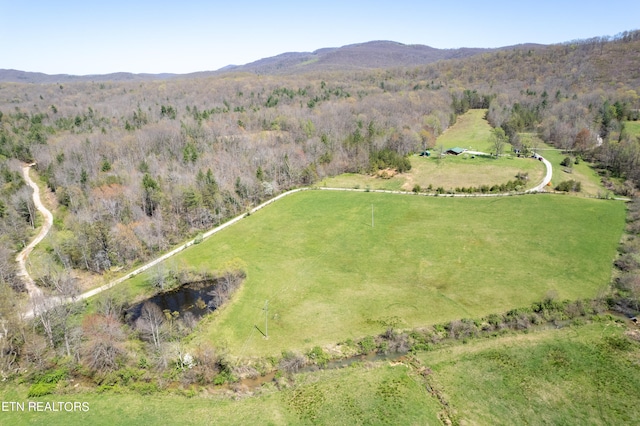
(455, 151)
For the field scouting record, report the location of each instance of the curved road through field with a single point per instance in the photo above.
(547, 177)
(34, 291)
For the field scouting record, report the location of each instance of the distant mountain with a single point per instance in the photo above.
(370, 55)
(16, 76)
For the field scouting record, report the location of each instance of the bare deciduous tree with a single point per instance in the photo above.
(54, 311)
(11, 329)
(111, 303)
(104, 346)
(226, 284)
(150, 322)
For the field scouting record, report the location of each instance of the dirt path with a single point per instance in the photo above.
(33, 290)
(547, 177)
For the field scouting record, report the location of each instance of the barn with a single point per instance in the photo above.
(455, 151)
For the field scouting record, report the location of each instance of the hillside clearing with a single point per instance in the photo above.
(472, 132)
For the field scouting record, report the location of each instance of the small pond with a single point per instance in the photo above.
(192, 297)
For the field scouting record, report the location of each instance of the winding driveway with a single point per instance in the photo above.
(547, 177)
(34, 291)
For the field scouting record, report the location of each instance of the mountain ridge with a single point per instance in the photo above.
(366, 55)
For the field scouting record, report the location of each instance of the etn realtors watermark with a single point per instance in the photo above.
(42, 406)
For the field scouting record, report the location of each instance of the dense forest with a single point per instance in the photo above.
(136, 167)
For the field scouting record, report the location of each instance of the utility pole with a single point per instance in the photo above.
(266, 319)
(372, 215)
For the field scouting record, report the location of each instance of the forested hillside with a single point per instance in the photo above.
(136, 167)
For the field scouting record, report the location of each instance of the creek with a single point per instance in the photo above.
(255, 382)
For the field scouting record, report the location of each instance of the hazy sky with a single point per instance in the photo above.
(89, 37)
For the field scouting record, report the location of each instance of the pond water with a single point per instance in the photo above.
(191, 297)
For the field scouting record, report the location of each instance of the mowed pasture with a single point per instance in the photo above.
(336, 265)
(471, 131)
(466, 171)
(448, 172)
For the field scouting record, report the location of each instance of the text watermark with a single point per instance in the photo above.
(42, 406)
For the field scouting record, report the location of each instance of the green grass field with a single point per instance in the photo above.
(464, 171)
(362, 394)
(471, 131)
(329, 275)
(448, 172)
(632, 127)
(576, 375)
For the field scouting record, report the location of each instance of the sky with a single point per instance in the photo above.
(83, 37)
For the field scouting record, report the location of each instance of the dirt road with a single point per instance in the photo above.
(547, 176)
(32, 288)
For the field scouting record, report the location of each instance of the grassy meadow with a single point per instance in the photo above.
(329, 275)
(465, 171)
(576, 375)
(632, 128)
(362, 394)
(448, 172)
(471, 131)
(582, 374)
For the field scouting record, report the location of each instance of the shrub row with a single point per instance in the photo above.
(548, 311)
(512, 186)
(569, 186)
